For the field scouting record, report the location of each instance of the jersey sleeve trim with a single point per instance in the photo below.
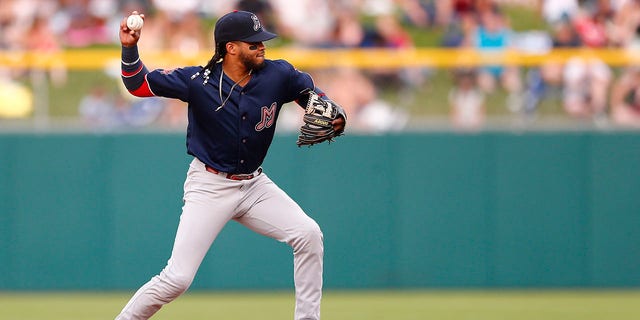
(143, 90)
(134, 73)
(129, 74)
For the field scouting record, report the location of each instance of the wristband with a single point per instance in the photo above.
(130, 55)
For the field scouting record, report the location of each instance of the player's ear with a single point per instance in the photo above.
(231, 47)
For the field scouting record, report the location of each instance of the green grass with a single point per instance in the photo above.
(338, 305)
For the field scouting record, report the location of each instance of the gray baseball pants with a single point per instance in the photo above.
(210, 201)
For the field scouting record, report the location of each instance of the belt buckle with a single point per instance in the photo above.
(248, 176)
(245, 176)
(231, 176)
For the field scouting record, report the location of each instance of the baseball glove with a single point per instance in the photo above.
(318, 117)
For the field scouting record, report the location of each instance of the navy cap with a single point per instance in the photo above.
(240, 26)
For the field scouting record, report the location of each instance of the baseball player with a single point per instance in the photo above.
(233, 103)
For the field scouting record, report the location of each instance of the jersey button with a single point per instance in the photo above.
(244, 140)
(241, 161)
(244, 117)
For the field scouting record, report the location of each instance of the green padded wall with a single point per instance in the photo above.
(437, 209)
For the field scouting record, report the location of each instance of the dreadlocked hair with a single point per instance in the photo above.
(220, 51)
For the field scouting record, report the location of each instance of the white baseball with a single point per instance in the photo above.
(135, 22)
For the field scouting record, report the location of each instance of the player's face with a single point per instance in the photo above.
(252, 55)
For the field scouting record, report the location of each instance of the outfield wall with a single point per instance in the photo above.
(496, 209)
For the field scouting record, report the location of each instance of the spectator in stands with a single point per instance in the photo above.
(626, 25)
(348, 31)
(157, 29)
(486, 6)
(426, 13)
(50, 25)
(592, 24)
(41, 39)
(6, 22)
(101, 109)
(97, 108)
(625, 93)
(87, 22)
(466, 101)
(584, 83)
(354, 88)
(308, 23)
(185, 34)
(178, 8)
(587, 81)
(463, 7)
(459, 32)
(391, 34)
(625, 99)
(556, 11)
(493, 36)
(359, 97)
(549, 77)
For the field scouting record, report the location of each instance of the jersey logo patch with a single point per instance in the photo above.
(268, 117)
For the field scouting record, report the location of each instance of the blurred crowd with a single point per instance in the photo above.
(587, 89)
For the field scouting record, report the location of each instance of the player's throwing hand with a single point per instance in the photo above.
(128, 37)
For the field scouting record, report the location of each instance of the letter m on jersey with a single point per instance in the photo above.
(268, 117)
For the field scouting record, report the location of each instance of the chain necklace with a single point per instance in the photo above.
(232, 87)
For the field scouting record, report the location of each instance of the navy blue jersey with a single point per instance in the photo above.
(234, 139)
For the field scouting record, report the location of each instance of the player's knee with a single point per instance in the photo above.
(176, 284)
(308, 238)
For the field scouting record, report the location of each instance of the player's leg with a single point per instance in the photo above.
(270, 211)
(204, 214)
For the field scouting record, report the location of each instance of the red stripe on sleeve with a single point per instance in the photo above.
(143, 90)
(131, 74)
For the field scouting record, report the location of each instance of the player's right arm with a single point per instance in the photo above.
(139, 80)
(134, 73)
